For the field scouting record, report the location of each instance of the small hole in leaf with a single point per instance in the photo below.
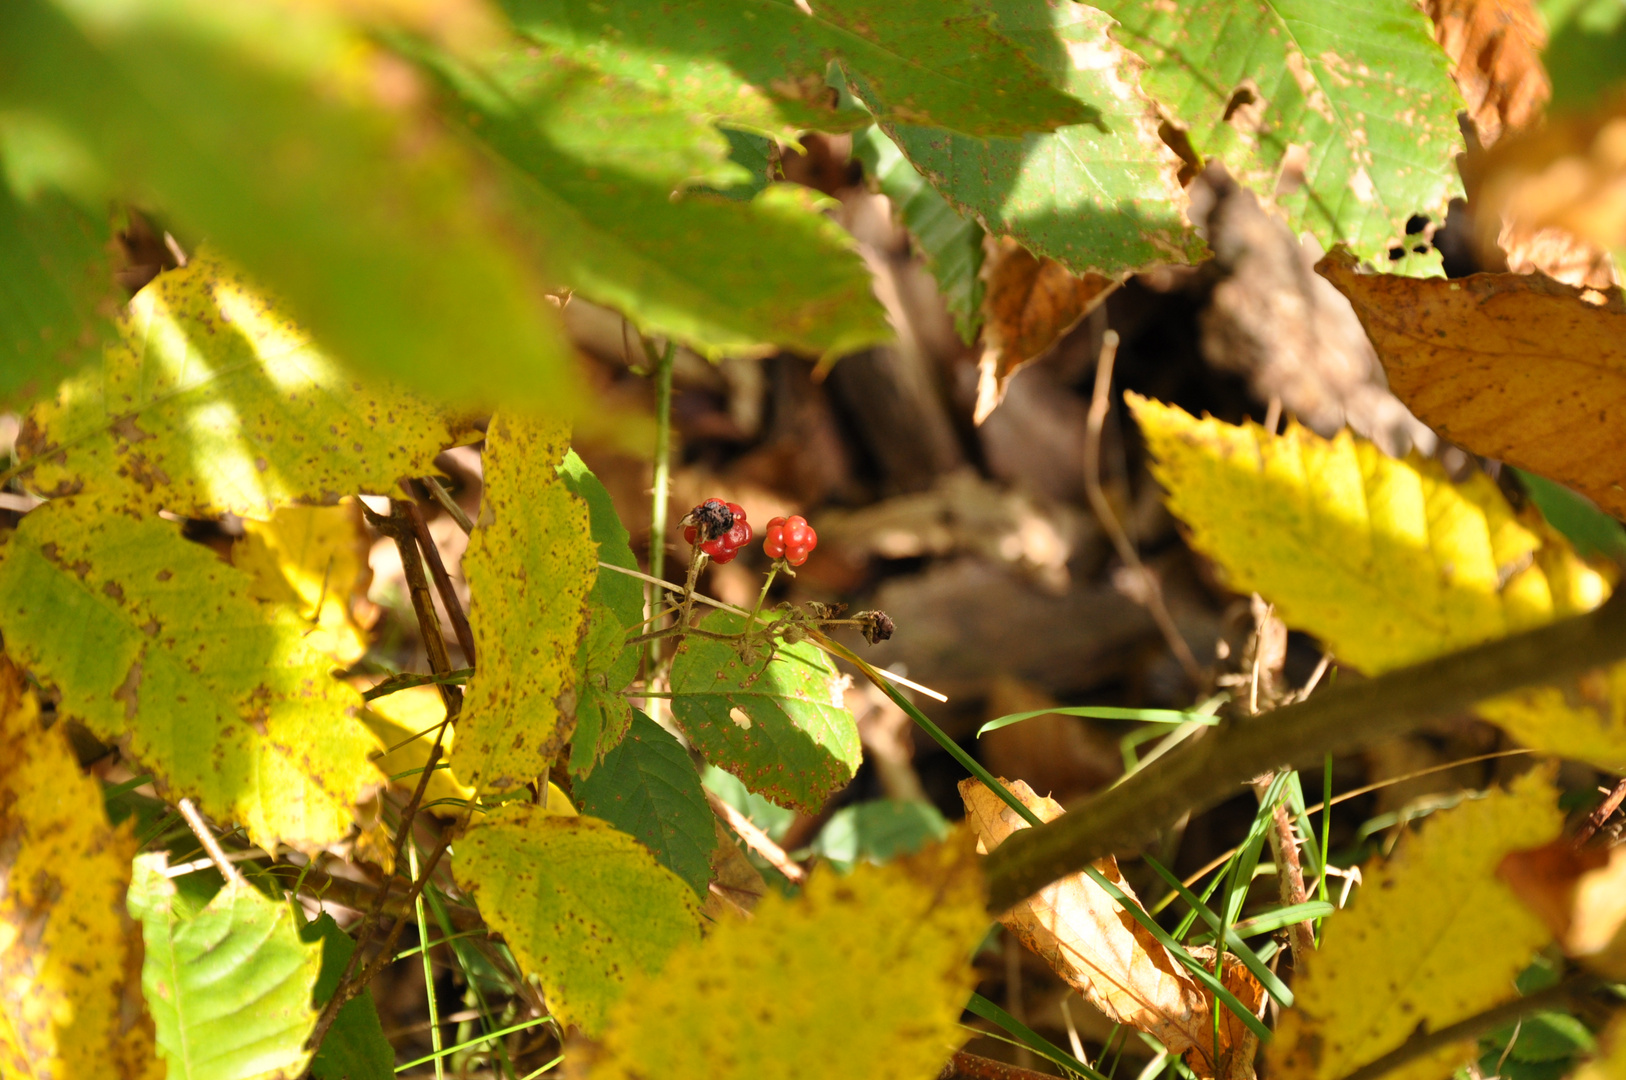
(1397, 253)
(1416, 224)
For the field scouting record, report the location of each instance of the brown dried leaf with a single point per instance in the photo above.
(1580, 895)
(1495, 48)
(1517, 368)
(1093, 943)
(1029, 304)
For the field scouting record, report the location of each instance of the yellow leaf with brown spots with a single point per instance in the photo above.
(530, 565)
(1432, 937)
(863, 975)
(158, 645)
(585, 907)
(1513, 367)
(314, 559)
(214, 400)
(70, 955)
(1388, 562)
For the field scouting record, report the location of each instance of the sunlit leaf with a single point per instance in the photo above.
(214, 400)
(781, 726)
(229, 986)
(406, 723)
(647, 787)
(70, 957)
(1345, 118)
(530, 566)
(862, 975)
(280, 133)
(584, 906)
(158, 645)
(1432, 937)
(1388, 562)
(314, 559)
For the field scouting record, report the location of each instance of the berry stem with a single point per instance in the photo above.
(697, 559)
(773, 572)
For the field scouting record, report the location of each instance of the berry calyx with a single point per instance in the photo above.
(790, 539)
(718, 528)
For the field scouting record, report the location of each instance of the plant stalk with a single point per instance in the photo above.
(660, 494)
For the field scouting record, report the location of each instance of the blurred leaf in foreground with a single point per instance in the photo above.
(159, 646)
(1431, 938)
(70, 956)
(229, 986)
(862, 975)
(215, 401)
(1388, 562)
(277, 130)
(584, 906)
(1581, 897)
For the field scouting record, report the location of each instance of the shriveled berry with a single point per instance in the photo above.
(708, 521)
(876, 626)
(725, 545)
(790, 539)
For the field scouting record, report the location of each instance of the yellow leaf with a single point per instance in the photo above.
(1432, 937)
(584, 906)
(70, 955)
(214, 400)
(1388, 562)
(530, 566)
(1514, 367)
(313, 558)
(863, 975)
(1092, 942)
(1611, 1063)
(406, 720)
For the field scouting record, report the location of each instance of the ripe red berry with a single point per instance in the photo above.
(720, 527)
(790, 539)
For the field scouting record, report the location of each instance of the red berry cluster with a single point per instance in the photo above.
(720, 527)
(790, 539)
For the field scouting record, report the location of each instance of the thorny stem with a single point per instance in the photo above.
(697, 559)
(443, 580)
(660, 493)
(1594, 821)
(1099, 403)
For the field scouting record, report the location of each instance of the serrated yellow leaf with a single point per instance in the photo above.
(70, 955)
(863, 975)
(584, 906)
(155, 643)
(215, 400)
(530, 565)
(1388, 562)
(406, 721)
(313, 558)
(1432, 937)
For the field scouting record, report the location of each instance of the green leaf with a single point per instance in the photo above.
(157, 645)
(879, 831)
(213, 401)
(530, 567)
(230, 987)
(779, 725)
(285, 137)
(1546, 1036)
(355, 1047)
(951, 244)
(57, 294)
(1101, 195)
(647, 787)
(765, 814)
(725, 277)
(623, 594)
(755, 155)
(584, 906)
(763, 63)
(1360, 88)
(1586, 50)
(1592, 531)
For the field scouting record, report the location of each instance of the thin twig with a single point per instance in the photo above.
(1422, 1045)
(1594, 821)
(230, 872)
(660, 490)
(1284, 850)
(757, 840)
(443, 581)
(438, 491)
(1099, 403)
(964, 1066)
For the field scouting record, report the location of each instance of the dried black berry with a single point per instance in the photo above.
(876, 626)
(710, 519)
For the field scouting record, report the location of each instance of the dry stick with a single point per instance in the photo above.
(448, 504)
(1594, 821)
(1422, 1045)
(964, 1066)
(1205, 772)
(1284, 849)
(443, 582)
(398, 527)
(757, 840)
(1100, 401)
(232, 875)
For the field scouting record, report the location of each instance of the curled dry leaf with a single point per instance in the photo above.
(1483, 374)
(1580, 895)
(1495, 48)
(1098, 948)
(1029, 304)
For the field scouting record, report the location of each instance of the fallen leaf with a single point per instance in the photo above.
(1580, 895)
(1433, 937)
(1515, 368)
(1495, 49)
(1092, 942)
(1029, 304)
